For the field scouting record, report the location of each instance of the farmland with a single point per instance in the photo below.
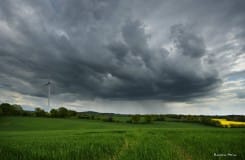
(225, 123)
(45, 138)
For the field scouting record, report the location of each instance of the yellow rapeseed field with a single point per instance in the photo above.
(226, 123)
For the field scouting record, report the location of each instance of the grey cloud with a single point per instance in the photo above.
(241, 94)
(187, 42)
(96, 49)
(237, 75)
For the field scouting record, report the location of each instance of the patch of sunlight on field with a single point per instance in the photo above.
(226, 123)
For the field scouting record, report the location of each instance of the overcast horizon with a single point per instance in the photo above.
(145, 57)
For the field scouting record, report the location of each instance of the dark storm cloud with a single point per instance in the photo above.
(187, 43)
(98, 49)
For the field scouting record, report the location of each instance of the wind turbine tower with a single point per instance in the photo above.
(49, 89)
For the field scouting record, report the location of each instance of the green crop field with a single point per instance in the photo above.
(28, 138)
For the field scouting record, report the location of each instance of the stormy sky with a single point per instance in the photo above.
(124, 56)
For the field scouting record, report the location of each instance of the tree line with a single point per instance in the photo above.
(62, 112)
(16, 110)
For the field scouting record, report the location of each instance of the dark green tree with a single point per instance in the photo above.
(8, 109)
(1, 112)
(62, 112)
(18, 109)
(71, 113)
(40, 112)
(54, 113)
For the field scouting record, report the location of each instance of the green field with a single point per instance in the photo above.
(29, 138)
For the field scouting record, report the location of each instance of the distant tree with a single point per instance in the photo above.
(83, 116)
(71, 113)
(135, 118)
(40, 112)
(148, 118)
(8, 109)
(1, 112)
(62, 112)
(53, 113)
(92, 117)
(206, 120)
(28, 113)
(108, 119)
(18, 109)
(160, 118)
(240, 118)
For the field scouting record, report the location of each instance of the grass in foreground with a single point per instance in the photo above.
(62, 139)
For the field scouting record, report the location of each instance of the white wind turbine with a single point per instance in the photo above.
(49, 92)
